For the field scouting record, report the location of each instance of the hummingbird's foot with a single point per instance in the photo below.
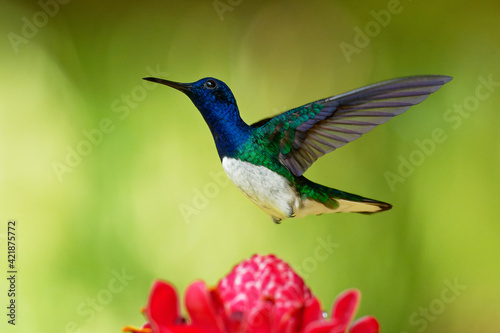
(276, 220)
(290, 214)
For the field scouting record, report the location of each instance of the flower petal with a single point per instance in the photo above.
(163, 306)
(312, 311)
(185, 329)
(296, 319)
(366, 324)
(345, 308)
(319, 326)
(201, 308)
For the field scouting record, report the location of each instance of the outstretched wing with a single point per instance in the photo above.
(308, 132)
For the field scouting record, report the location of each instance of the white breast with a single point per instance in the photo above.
(267, 189)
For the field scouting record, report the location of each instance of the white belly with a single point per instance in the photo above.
(267, 189)
(274, 195)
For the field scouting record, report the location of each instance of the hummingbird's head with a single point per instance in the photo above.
(217, 105)
(207, 93)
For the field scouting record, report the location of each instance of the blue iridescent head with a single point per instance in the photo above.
(216, 103)
(207, 93)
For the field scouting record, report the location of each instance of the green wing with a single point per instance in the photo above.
(306, 133)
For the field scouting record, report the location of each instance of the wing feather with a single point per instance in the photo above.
(306, 133)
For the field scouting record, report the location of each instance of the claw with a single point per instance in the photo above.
(276, 220)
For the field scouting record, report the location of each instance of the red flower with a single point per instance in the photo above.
(261, 294)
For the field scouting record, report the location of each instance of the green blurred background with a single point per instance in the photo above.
(148, 199)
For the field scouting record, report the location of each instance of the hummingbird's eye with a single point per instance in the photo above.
(211, 84)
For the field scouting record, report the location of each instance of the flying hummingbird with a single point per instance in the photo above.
(266, 160)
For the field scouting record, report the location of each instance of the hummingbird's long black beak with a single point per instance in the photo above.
(184, 87)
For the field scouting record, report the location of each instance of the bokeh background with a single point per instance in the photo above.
(146, 198)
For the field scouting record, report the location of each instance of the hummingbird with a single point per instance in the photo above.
(266, 160)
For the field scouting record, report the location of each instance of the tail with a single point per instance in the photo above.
(319, 199)
(361, 205)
